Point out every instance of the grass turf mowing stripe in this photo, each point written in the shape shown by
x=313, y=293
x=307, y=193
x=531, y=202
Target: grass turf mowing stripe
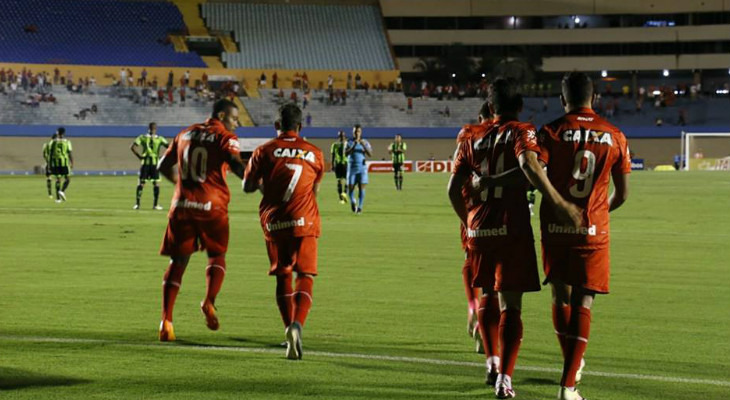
x=416, y=360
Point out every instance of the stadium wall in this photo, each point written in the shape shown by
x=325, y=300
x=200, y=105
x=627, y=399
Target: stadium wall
x=22, y=153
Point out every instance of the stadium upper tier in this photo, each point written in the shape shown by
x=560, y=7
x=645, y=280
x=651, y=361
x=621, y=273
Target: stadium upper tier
x=109, y=32
x=314, y=37
x=389, y=109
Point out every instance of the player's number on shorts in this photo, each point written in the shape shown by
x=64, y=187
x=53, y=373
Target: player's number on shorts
x=584, y=177
x=195, y=164
x=294, y=180
x=499, y=168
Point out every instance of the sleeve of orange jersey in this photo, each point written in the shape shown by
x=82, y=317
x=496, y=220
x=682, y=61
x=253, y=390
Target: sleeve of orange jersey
x=171, y=152
x=320, y=165
x=623, y=163
x=462, y=157
x=252, y=175
x=526, y=140
x=543, y=142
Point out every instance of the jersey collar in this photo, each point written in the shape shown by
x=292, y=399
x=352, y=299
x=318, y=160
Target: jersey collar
x=288, y=134
x=215, y=122
x=582, y=110
x=500, y=119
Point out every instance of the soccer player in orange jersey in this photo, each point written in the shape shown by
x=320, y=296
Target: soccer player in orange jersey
x=583, y=152
x=288, y=171
x=483, y=315
x=498, y=225
x=198, y=218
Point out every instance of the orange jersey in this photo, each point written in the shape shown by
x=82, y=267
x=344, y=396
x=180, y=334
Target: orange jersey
x=581, y=151
x=466, y=132
x=289, y=167
x=202, y=152
x=501, y=213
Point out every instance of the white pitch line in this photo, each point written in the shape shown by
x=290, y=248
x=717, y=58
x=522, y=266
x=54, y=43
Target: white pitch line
x=373, y=357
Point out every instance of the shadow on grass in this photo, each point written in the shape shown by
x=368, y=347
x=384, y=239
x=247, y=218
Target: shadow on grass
x=14, y=379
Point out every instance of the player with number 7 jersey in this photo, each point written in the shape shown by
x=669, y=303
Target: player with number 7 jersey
x=288, y=171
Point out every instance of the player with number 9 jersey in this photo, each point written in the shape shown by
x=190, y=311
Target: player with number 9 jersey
x=581, y=151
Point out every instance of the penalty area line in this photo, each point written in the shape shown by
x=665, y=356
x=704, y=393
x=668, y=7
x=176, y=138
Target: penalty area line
x=358, y=356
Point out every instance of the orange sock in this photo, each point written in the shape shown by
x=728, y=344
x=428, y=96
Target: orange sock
x=489, y=323
x=214, y=274
x=561, y=319
x=303, y=298
x=510, y=336
x=284, y=298
x=170, y=287
x=576, y=341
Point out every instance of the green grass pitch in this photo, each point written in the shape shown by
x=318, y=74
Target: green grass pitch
x=80, y=288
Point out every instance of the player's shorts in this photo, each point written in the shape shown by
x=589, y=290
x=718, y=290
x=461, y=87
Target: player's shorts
x=506, y=267
x=149, y=173
x=397, y=167
x=186, y=236
x=357, y=177
x=60, y=171
x=341, y=171
x=287, y=254
x=589, y=269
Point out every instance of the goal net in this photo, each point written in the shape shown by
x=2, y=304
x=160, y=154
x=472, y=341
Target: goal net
x=705, y=151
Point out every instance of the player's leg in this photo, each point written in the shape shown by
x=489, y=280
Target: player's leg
x=472, y=295
x=561, y=311
x=171, y=283
x=483, y=266
x=361, y=193
x=352, y=178
x=284, y=290
x=156, y=192
x=400, y=178
x=306, y=269
x=581, y=301
x=395, y=176
x=66, y=181
x=510, y=337
x=48, y=182
x=140, y=188
x=58, y=188
x=213, y=236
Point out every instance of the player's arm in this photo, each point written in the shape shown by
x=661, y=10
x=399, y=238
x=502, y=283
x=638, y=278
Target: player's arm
x=133, y=147
x=390, y=149
x=568, y=212
x=251, y=179
x=367, y=148
x=456, y=182
x=511, y=177
x=166, y=166
x=349, y=148
x=620, y=190
x=236, y=164
x=71, y=158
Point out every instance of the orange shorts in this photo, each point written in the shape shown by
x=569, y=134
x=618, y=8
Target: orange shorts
x=186, y=236
x=506, y=267
x=287, y=254
x=589, y=269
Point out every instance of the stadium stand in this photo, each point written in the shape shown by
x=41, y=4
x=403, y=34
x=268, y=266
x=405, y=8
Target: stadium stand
x=300, y=36
x=108, y=32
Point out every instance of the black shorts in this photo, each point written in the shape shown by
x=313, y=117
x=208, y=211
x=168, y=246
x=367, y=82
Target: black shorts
x=397, y=167
x=341, y=171
x=149, y=173
x=60, y=171
x=48, y=170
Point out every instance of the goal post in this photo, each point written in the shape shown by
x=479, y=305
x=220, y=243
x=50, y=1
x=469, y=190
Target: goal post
x=705, y=151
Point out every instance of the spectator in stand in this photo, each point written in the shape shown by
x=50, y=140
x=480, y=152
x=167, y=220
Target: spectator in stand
x=170, y=80
x=398, y=83
x=410, y=105
x=204, y=79
x=262, y=80
x=293, y=97
x=123, y=77
x=143, y=77
x=344, y=97
x=447, y=112
x=170, y=95
x=297, y=83
x=145, y=95
x=160, y=96
x=182, y=96
x=366, y=86
x=56, y=76
x=187, y=78
x=358, y=81
x=305, y=102
x=349, y=81
x=309, y=119
x=281, y=93
x=182, y=81
x=305, y=81
x=275, y=81
x=130, y=77
x=330, y=82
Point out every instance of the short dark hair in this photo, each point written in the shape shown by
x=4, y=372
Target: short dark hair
x=504, y=96
x=290, y=116
x=356, y=126
x=577, y=88
x=222, y=105
x=484, y=110
x=152, y=124
x=61, y=130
